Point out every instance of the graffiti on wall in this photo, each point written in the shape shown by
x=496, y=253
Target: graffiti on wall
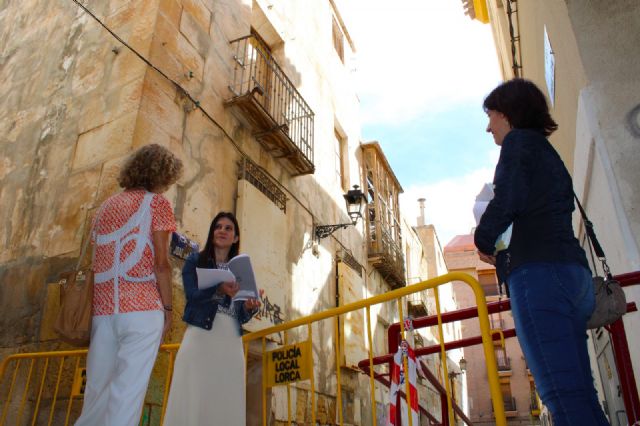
x=269, y=311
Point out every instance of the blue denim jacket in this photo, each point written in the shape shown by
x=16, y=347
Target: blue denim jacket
x=202, y=305
x=534, y=191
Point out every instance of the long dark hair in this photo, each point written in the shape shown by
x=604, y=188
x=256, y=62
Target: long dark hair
x=524, y=105
x=207, y=255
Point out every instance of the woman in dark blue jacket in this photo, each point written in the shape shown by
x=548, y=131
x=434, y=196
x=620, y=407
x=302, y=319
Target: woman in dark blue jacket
x=545, y=268
x=208, y=379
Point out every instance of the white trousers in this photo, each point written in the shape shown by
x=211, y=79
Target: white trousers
x=121, y=356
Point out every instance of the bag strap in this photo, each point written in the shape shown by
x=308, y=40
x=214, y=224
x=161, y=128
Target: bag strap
x=83, y=252
x=85, y=244
x=591, y=254
x=593, y=240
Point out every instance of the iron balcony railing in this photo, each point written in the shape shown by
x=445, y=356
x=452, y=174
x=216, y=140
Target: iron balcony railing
x=416, y=304
x=389, y=252
x=504, y=363
x=534, y=404
x=497, y=323
x=509, y=403
x=257, y=74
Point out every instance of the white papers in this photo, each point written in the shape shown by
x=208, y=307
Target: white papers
x=211, y=277
x=482, y=201
x=240, y=270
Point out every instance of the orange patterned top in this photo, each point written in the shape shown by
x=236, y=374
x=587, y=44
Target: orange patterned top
x=123, y=252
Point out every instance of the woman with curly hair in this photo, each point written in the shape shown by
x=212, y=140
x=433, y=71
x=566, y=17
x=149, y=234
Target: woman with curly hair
x=132, y=288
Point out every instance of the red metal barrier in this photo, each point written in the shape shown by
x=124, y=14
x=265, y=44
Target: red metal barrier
x=623, y=356
x=618, y=339
x=364, y=366
x=393, y=333
x=428, y=350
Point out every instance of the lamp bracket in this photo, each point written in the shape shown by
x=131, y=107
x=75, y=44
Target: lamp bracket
x=323, y=231
x=454, y=374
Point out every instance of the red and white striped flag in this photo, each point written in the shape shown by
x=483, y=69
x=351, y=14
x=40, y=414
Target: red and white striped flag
x=397, y=382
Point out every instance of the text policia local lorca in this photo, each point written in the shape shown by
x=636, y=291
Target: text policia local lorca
x=286, y=364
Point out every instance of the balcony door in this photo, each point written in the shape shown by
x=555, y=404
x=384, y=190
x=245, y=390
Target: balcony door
x=260, y=60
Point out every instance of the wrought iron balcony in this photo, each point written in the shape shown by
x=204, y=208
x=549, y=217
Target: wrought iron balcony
x=383, y=216
x=504, y=363
x=281, y=119
x=534, y=404
x=386, y=256
x=510, y=406
x=416, y=305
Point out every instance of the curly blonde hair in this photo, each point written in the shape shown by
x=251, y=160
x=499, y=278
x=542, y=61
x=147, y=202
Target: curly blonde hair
x=151, y=167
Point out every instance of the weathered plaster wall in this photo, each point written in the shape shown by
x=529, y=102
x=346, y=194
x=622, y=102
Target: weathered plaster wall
x=529, y=23
x=607, y=135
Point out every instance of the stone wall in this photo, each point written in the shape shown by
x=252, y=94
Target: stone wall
x=69, y=98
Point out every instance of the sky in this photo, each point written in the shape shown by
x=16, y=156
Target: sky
x=423, y=69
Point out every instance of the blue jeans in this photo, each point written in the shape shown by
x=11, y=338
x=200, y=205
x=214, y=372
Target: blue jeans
x=551, y=303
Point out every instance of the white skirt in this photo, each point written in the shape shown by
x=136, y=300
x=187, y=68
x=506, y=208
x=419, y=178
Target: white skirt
x=208, y=385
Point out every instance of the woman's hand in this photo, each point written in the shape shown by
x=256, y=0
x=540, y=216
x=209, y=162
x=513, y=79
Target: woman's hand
x=251, y=304
x=491, y=260
x=230, y=288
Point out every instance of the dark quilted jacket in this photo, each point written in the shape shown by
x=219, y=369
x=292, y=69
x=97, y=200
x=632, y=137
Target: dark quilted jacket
x=533, y=190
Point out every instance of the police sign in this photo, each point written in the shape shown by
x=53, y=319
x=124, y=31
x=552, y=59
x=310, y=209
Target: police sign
x=288, y=364
x=79, y=382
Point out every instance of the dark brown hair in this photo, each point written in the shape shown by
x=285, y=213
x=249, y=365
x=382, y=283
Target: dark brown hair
x=151, y=167
x=523, y=104
x=208, y=252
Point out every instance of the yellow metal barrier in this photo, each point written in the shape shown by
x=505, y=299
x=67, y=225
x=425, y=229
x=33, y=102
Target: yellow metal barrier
x=20, y=386
x=396, y=295
x=48, y=387
x=31, y=385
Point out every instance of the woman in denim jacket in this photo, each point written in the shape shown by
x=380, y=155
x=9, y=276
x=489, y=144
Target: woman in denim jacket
x=208, y=379
x=545, y=268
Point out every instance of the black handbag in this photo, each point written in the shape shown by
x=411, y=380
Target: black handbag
x=611, y=303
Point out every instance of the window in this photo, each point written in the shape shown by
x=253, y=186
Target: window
x=260, y=56
x=341, y=163
x=338, y=39
x=489, y=283
x=407, y=257
x=507, y=397
x=504, y=362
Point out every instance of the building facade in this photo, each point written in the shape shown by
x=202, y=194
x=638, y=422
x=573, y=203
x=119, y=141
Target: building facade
x=589, y=68
x=257, y=98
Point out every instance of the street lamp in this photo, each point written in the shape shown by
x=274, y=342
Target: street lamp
x=463, y=367
x=355, y=201
x=463, y=364
x=452, y=375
